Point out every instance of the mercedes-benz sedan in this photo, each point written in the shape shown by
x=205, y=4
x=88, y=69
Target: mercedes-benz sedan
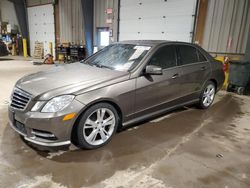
x=124, y=83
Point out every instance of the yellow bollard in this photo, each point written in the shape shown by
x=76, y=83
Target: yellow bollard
x=225, y=84
x=51, y=48
x=24, y=47
x=13, y=52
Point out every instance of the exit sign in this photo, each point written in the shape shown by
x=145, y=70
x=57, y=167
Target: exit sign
x=109, y=10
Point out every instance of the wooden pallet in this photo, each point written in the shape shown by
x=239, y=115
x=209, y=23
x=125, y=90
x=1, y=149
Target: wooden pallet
x=39, y=50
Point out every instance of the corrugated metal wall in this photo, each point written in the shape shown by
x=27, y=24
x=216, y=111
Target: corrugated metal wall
x=100, y=17
x=99, y=12
x=227, y=26
x=71, y=21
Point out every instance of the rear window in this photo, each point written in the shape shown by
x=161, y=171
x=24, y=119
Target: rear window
x=201, y=56
x=188, y=55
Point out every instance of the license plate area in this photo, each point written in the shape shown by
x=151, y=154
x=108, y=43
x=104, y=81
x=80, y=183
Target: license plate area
x=12, y=116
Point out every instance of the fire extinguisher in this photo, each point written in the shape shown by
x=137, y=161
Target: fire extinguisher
x=226, y=64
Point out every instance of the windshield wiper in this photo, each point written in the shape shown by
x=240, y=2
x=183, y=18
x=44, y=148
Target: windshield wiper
x=103, y=66
x=86, y=62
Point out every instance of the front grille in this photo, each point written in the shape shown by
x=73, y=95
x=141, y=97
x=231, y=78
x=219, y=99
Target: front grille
x=20, y=99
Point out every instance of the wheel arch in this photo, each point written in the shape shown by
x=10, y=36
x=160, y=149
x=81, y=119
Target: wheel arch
x=105, y=100
x=215, y=83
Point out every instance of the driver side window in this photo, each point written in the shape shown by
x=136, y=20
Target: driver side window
x=165, y=57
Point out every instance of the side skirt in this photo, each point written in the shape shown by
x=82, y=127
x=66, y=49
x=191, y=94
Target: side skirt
x=157, y=113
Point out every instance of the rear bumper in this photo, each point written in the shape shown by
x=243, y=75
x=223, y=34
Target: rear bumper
x=45, y=129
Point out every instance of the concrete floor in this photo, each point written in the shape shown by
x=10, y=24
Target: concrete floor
x=185, y=148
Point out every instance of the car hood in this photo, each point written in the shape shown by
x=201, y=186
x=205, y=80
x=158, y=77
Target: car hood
x=68, y=79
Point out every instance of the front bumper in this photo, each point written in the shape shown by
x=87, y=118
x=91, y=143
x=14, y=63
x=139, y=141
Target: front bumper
x=39, y=141
x=45, y=129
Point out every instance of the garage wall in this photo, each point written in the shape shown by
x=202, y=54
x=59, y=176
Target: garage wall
x=8, y=13
x=227, y=26
x=71, y=21
x=157, y=19
x=100, y=17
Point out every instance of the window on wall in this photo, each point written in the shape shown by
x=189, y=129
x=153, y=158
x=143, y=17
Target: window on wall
x=104, y=38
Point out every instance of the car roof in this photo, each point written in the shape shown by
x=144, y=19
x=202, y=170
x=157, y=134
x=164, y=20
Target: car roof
x=152, y=42
x=144, y=42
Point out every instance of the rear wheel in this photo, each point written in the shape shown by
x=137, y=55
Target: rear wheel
x=207, y=95
x=97, y=126
x=240, y=90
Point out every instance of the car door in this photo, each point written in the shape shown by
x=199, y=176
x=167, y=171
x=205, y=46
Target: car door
x=195, y=70
x=154, y=92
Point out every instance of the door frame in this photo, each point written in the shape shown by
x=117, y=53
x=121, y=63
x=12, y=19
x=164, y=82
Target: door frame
x=98, y=30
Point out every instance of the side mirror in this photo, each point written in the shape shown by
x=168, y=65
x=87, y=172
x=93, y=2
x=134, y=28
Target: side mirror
x=153, y=70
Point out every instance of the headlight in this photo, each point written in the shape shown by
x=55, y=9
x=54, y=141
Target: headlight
x=58, y=103
x=37, y=106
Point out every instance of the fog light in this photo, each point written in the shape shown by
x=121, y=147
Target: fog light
x=69, y=116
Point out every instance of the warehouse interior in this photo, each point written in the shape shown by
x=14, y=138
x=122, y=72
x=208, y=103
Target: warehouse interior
x=184, y=147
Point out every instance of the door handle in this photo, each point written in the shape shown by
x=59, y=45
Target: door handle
x=175, y=76
x=203, y=68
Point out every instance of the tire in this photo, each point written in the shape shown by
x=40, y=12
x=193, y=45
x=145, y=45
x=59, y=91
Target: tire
x=240, y=90
x=229, y=88
x=97, y=126
x=207, y=95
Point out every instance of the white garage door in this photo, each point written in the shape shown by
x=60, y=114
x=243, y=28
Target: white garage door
x=42, y=26
x=157, y=20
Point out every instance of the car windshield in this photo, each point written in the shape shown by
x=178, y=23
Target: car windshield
x=121, y=57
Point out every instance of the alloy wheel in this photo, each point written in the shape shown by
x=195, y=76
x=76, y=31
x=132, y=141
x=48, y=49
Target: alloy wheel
x=99, y=126
x=208, y=95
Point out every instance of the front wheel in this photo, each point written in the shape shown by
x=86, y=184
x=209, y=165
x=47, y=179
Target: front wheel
x=97, y=125
x=207, y=95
